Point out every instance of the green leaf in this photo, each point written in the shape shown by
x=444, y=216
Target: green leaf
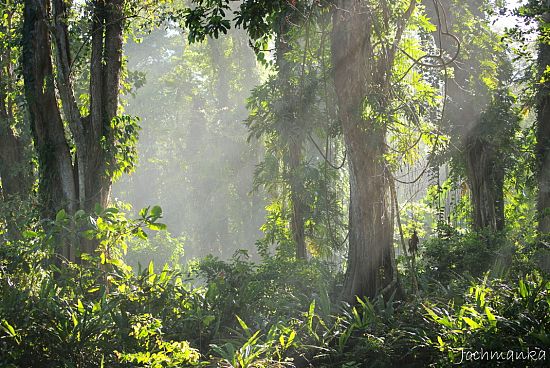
x=431, y=313
x=140, y=233
x=156, y=212
x=207, y=320
x=143, y=212
x=243, y=324
x=291, y=338
x=8, y=328
x=473, y=324
x=61, y=215
x=89, y=234
x=80, y=307
x=27, y=234
x=491, y=317
x=310, y=315
x=522, y=289
x=157, y=226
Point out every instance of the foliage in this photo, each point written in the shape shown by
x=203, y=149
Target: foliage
x=468, y=255
x=162, y=248
x=146, y=298
x=495, y=316
x=243, y=314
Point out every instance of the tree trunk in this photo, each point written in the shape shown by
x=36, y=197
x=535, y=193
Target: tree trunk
x=57, y=187
x=293, y=139
x=66, y=93
x=486, y=179
x=106, y=67
x=468, y=100
x=56, y=181
x=15, y=167
x=543, y=140
x=296, y=197
x=86, y=182
x=15, y=175
x=370, y=240
x=222, y=70
x=370, y=233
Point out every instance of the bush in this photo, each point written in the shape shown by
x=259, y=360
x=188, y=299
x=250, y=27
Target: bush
x=240, y=314
x=470, y=254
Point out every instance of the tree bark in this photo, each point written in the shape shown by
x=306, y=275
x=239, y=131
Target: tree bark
x=57, y=187
x=543, y=139
x=370, y=233
x=106, y=67
x=486, y=179
x=66, y=93
x=64, y=184
x=56, y=181
x=468, y=99
x=15, y=174
x=15, y=169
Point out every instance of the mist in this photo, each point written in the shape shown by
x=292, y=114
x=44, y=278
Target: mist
x=194, y=159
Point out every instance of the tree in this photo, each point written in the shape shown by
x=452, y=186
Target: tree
x=295, y=137
x=365, y=42
x=367, y=91
x=543, y=119
x=284, y=123
x=102, y=140
x=478, y=117
x=15, y=169
x=290, y=113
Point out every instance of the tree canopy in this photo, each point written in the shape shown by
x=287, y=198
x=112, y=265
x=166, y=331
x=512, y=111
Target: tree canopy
x=290, y=183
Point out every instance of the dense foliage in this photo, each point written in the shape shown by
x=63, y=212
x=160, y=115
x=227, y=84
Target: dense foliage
x=254, y=183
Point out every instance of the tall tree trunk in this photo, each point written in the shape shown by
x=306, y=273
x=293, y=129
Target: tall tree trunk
x=370, y=238
x=57, y=187
x=62, y=184
x=15, y=175
x=543, y=138
x=106, y=67
x=222, y=70
x=486, y=179
x=293, y=136
x=370, y=233
x=56, y=180
x=15, y=167
x=468, y=99
x=66, y=93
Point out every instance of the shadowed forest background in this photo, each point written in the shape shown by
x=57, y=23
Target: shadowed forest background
x=316, y=183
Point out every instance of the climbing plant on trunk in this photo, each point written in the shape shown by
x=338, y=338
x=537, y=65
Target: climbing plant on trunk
x=365, y=40
x=15, y=168
x=101, y=140
x=479, y=117
x=543, y=122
